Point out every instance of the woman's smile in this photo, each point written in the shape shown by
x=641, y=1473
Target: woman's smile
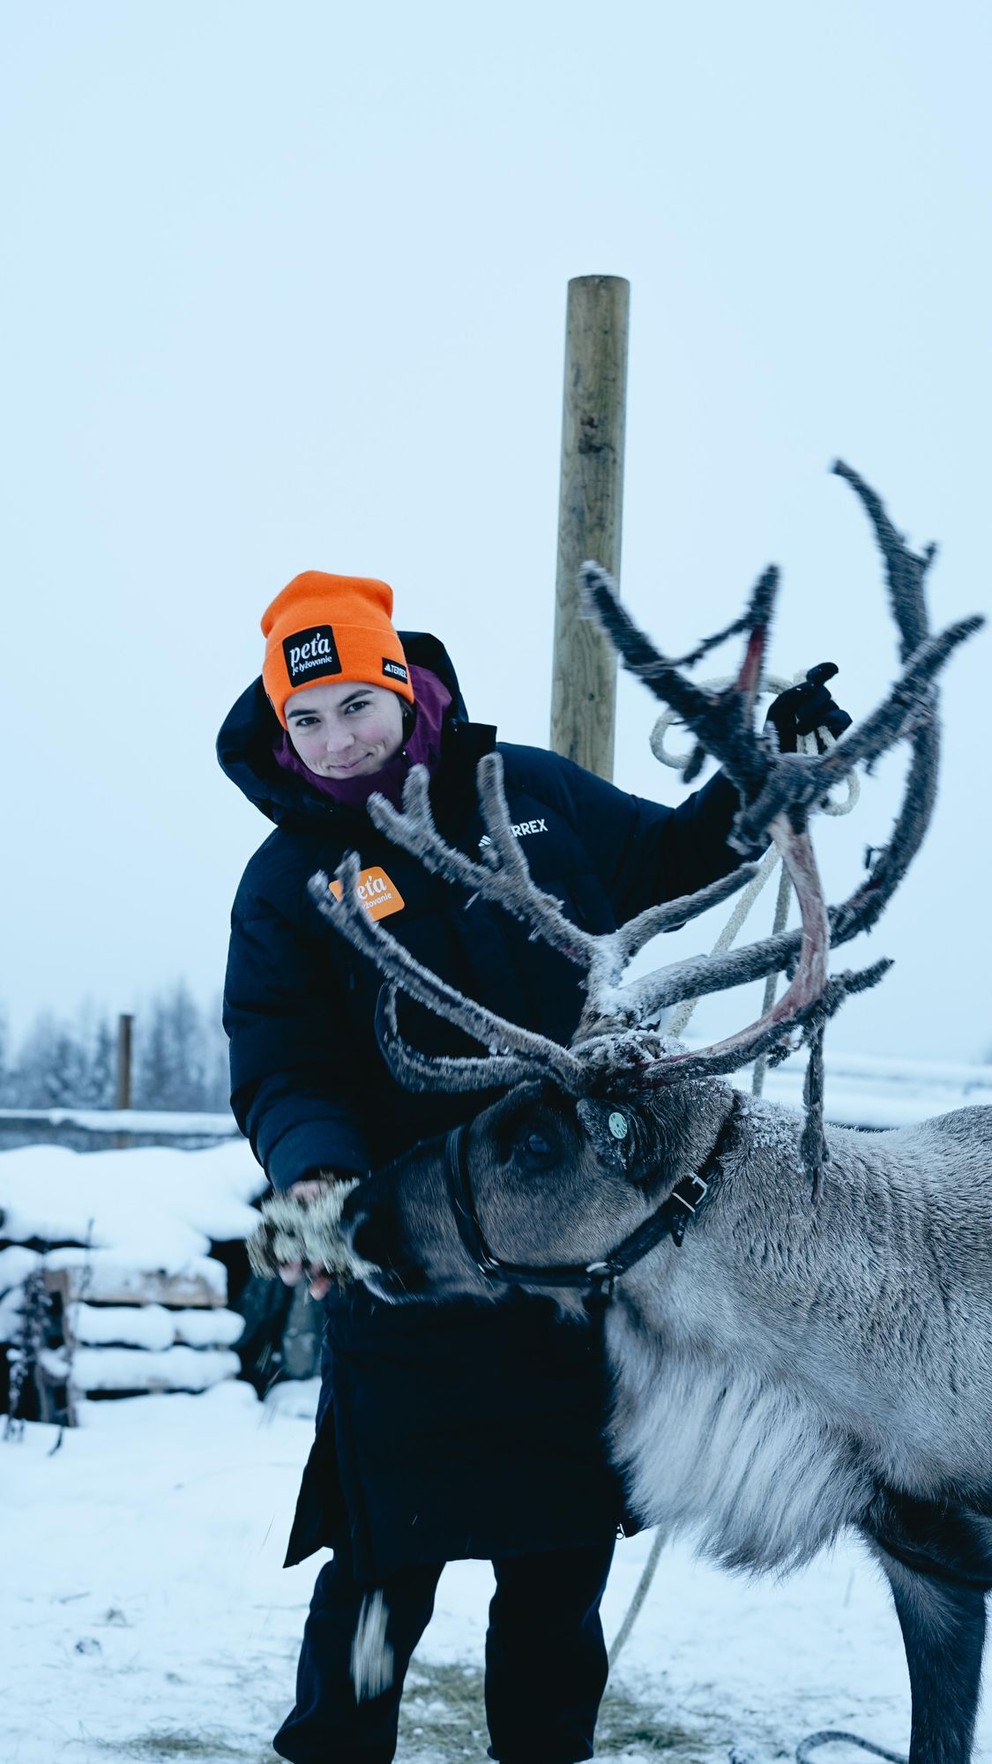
x=345, y=730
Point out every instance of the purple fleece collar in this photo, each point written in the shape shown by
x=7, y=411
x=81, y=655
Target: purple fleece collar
x=422, y=748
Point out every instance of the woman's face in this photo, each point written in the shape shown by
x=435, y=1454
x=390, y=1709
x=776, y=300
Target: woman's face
x=343, y=730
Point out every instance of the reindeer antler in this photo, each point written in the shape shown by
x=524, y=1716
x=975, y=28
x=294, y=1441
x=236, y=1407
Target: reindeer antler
x=514, y=1053
x=778, y=790
x=777, y=793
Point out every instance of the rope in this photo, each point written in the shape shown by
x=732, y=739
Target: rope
x=640, y=1594
x=680, y=1018
x=807, y=743
x=771, y=983
x=828, y=1735
x=742, y=907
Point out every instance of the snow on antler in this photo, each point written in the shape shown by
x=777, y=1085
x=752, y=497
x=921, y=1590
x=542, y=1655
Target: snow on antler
x=778, y=791
x=514, y=1053
x=617, y=1039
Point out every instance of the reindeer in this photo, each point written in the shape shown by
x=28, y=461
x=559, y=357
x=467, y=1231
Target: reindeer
x=798, y=1318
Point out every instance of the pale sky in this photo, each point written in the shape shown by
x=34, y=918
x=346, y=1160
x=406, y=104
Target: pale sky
x=285, y=289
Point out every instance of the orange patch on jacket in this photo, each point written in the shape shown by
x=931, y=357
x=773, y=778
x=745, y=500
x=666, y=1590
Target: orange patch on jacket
x=378, y=895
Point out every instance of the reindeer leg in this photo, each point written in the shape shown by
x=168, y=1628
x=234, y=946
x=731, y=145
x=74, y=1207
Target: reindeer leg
x=938, y=1561
x=943, y=1628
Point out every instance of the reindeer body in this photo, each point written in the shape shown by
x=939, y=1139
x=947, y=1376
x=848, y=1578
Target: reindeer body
x=788, y=1360
x=789, y=1370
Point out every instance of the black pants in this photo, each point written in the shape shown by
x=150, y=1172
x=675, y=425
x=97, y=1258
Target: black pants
x=545, y=1660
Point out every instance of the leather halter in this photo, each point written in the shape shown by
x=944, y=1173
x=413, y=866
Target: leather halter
x=668, y=1220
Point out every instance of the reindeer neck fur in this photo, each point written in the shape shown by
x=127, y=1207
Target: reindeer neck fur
x=789, y=1356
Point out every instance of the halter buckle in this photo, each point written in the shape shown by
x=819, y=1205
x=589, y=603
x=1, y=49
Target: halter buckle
x=604, y=1278
x=699, y=1184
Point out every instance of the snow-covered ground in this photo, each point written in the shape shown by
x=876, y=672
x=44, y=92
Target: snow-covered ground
x=146, y=1615
x=144, y=1611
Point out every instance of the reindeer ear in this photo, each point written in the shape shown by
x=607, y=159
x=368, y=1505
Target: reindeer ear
x=612, y=1130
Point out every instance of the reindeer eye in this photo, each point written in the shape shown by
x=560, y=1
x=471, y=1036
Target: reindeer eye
x=537, y=1145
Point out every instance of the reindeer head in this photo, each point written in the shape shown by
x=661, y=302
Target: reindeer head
x=584, y=1179
x=618, y=1051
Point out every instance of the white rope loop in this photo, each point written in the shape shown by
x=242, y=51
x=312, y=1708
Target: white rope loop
x=807, y=743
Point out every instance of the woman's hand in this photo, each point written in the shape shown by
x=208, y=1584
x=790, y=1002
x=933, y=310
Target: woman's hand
x=300, y=1236
x=807, y=708
x=311, y=1188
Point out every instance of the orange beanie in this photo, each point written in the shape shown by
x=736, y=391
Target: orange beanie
x=329, y=629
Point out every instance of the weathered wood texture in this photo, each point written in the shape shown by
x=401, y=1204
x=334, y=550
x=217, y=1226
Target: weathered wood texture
x=134, y=1329
x=123, y=1285
x=583, y=692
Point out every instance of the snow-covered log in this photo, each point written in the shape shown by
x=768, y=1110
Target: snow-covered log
x=134, y=1369
x=151, y=1327
x=104, y=1277
x=122, y=1240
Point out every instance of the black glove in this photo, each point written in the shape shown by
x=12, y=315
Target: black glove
x=806, y=707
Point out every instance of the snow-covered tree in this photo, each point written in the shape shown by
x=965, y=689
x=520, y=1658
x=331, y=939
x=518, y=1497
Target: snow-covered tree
x=180, y=1057
x=177, y=1048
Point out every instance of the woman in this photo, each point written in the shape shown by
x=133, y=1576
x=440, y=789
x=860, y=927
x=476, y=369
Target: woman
x=462, y=1430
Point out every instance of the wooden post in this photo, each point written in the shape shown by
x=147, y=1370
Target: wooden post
x=590, y=511
x=122, y=1099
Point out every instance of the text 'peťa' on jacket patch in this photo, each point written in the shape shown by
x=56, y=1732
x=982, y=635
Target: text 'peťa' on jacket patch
x=378, y=895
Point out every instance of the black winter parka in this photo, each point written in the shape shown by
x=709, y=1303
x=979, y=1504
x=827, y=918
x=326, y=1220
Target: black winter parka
x=468, y=1429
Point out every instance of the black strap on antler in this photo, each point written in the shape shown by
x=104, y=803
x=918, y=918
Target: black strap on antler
x=668, y=1220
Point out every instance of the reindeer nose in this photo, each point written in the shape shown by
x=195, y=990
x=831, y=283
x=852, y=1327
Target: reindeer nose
x=363, y=1229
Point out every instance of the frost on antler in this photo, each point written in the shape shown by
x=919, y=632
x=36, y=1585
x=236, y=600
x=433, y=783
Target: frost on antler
x=513, y=1050
x=503, y=876
x=905, y=573
x=720, y=719
x=513, y=1053
x=618, y=1041
x=777, y=793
